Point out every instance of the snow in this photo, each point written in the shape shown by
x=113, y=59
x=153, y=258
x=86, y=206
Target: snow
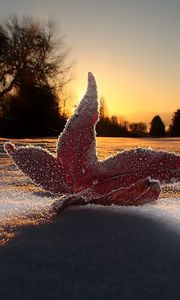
x=87, y=252
x=15, y=203
x=24, y=204
x=19, y=198
x=90, y=252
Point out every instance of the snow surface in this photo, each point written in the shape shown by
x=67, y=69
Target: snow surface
x=91, y=252
x=27, y=207
x=88, y=252
x=17, y=203
x=19, y=198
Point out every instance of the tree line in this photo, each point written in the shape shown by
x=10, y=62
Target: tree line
x=112, y=127
x=34, y=72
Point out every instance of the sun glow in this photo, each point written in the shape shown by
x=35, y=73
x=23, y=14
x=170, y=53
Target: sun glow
x=131, y=94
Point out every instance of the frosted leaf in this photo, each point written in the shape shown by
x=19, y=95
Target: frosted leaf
x=126, y=168
x=68, y=200
x=77, y=145
x=40, y=166
x=78, y=175
x=143, y=191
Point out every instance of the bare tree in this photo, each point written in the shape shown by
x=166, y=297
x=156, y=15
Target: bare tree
x=103, y=107
x=65, y=102
x=138, y=128
x=30, y=53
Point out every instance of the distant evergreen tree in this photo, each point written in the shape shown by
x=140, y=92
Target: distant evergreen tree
x=157, y=128
x=175, y=126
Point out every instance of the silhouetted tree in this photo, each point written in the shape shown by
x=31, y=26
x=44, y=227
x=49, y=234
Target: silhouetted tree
x=157, y=128
x=175, y=126
x=138, y=129
x=111, y=127
x=34, y=67
x=30, y=52
x=35, y=111
x=66, y=100
x=103, y=108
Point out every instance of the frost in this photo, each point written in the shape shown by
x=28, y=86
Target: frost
x=95, y=181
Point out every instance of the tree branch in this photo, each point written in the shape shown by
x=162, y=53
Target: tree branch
x=9, y=88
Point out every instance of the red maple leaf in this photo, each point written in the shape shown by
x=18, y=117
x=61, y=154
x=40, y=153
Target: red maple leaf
x=129, y=178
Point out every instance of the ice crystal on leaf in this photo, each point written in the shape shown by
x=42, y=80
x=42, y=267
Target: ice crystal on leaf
x=129, y=178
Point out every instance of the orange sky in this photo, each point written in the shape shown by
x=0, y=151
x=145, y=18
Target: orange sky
x=130, y=93
x=131, y=46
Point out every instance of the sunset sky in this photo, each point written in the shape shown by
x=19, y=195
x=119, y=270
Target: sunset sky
x=131, y=46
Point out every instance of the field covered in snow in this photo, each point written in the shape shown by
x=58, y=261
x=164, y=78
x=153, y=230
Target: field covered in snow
x=21, y=200
x=89, y=252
